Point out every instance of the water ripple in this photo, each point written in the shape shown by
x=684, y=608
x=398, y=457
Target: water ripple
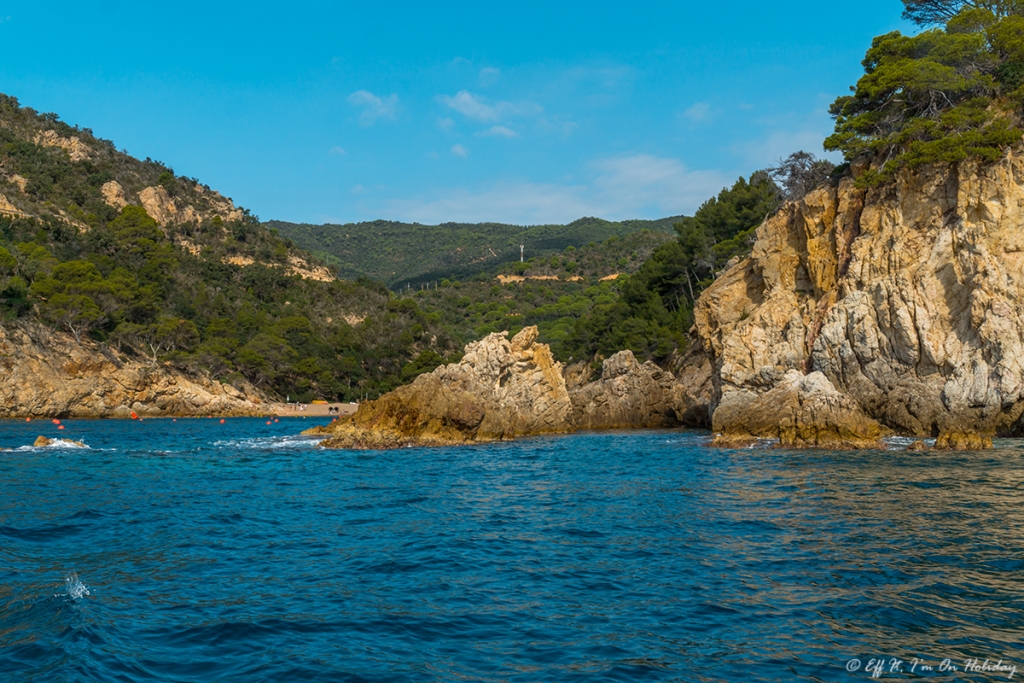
x=242, y=552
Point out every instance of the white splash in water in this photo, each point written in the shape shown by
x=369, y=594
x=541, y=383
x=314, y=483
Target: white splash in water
x=75, y=588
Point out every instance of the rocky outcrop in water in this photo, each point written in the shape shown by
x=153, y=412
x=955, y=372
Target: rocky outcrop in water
x=505, y=388
x=499, y=390
x=45, y=373
x=907, y=299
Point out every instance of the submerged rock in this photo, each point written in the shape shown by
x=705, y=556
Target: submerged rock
x=43, y=442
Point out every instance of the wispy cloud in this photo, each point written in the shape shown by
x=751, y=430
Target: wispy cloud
x=460, y=151
x=480, y=109
x=489, y=76
x=499, y=131
x=337, y=151
x=637, y=186
x=445, y=123
x=374, y=107
x=698, y=112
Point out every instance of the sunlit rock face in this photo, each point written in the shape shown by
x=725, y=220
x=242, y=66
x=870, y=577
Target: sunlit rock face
x=906, y=298
x=499, y=390
x=47, y=373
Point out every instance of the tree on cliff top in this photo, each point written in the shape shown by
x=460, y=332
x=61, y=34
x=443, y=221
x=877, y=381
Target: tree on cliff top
x=944, y=95
x=925, y=12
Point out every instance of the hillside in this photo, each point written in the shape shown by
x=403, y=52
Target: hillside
x=157, y=268
x=408, y=254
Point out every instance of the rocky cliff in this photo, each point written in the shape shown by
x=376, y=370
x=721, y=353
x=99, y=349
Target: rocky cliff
x=903, y=303
x=48, y=374
x=505, y=388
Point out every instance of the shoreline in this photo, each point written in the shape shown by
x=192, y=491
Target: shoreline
x=270, y=410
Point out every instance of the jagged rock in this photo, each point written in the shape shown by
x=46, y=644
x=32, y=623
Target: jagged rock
x=917, y=446
x=75, y=148
x=801, y=411
x=113, y=194
x=46, y=373
x=499, y=390
x=631, y=395
x=906, y=297
x=162, y=208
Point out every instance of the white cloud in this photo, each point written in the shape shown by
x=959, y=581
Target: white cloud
x=460, y=151
x=638, y=186
x=478, y=108
x=358, y=189
x=489, y=76
x=500, y=131
x=446, y=123
x=697, y=112
x=374, y=107
x=337, y=151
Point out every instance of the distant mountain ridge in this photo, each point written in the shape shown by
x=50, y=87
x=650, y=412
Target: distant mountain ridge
x=401, y=254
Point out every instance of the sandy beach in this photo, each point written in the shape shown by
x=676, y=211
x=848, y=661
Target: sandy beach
x=313, y=409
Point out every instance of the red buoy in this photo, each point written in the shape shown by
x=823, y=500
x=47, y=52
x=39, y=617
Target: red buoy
x=60, y=426
x=134, y=416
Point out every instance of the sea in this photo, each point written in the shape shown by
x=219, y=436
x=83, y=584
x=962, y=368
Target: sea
x=195, y=550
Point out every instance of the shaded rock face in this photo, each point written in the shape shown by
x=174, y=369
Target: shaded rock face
x=907, y=298
x=801, y=411
x=500, y=389
x=44, y=373
x=631, y=395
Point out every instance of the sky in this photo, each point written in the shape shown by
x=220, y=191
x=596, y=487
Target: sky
x=526, y=112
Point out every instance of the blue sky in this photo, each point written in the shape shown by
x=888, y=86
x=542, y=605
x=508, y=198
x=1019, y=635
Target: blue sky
x=525, y=112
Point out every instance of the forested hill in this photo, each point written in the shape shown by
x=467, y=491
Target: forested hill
x=100, y=245
x=402, y=254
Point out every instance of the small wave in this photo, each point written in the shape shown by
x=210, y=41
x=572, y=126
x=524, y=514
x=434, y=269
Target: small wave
x=265, y=443
x=54, y=443
x=899, y=443
x=74, y=588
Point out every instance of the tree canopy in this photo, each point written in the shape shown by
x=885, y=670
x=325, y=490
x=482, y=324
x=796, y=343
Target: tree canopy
x=944, y=95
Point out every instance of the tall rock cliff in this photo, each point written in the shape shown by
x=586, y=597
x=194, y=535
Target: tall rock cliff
x=907, y=299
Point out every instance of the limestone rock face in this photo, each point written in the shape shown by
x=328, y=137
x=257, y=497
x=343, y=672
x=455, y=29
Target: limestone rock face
x=907, y=298
x=631, y=395
x=162, y=208
x=44, y=373
x=500, y=389
x=75, y=148
x=113, y=194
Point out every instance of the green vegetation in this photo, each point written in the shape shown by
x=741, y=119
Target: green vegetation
x=944, y=95
x=403, y=254
x=554, y=293
x=212, y=295
x=217, y=293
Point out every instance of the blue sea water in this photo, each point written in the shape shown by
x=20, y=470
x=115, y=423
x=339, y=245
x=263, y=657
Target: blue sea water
x=196, y=551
